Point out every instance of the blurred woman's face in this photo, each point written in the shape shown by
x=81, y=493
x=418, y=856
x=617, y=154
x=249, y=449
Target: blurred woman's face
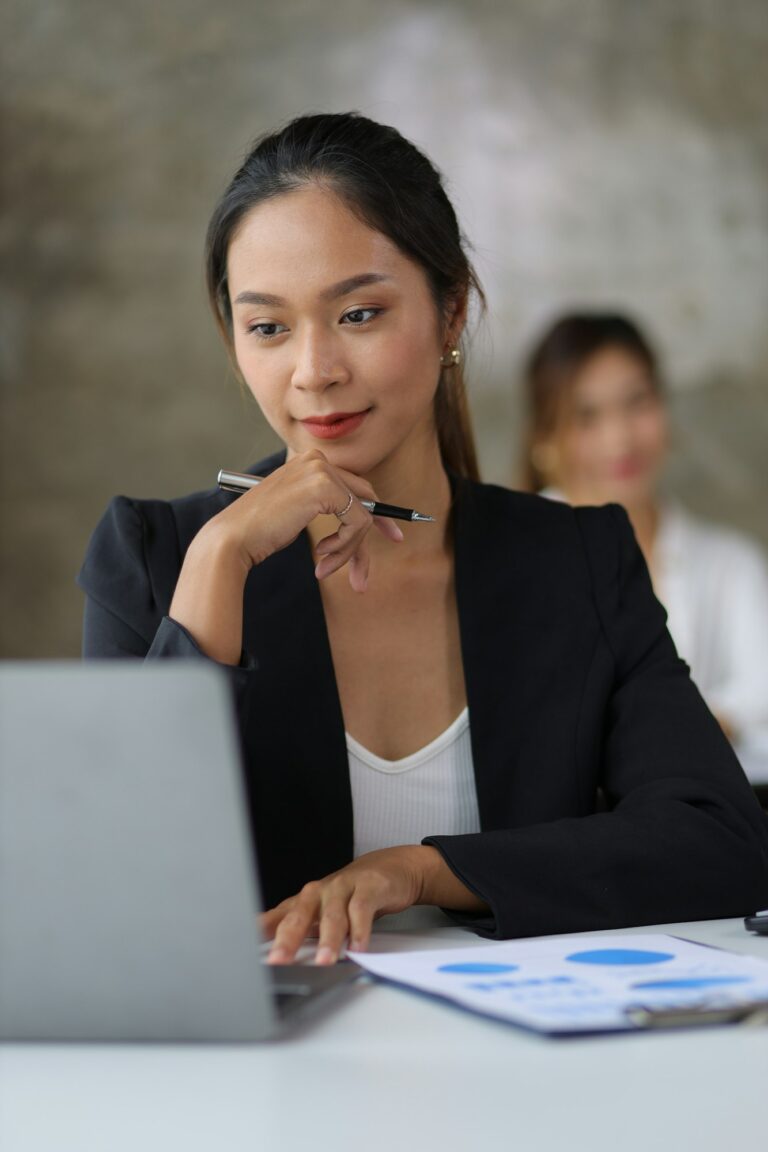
x=611, y=437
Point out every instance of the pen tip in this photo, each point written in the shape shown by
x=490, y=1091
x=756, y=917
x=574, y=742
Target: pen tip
x=422, y=518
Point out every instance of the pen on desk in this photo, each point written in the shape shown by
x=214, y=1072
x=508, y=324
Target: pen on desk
x=242, y=481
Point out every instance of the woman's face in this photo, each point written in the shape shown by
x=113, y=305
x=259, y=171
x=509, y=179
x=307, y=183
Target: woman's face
x=611, y=437
x=336, y=332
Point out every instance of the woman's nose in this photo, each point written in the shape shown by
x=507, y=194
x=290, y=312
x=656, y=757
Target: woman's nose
x=618, y=433
x=319, y=362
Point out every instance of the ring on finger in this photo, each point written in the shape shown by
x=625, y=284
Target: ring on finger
x=340, y=515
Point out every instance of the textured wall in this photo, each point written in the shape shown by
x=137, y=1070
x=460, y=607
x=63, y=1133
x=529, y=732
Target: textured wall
x=606, y=151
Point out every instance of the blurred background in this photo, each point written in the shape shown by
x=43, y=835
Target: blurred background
x=601, y=153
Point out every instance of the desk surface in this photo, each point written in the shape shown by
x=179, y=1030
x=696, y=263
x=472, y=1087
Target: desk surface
x=388, y=1069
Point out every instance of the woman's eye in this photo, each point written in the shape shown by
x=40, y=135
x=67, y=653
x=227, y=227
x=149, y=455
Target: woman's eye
x=359, y=316
x=267, y=330
x=640, y=401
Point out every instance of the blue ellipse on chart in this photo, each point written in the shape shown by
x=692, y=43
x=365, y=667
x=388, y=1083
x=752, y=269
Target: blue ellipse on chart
x=476, y=969
x=619, y=956
x=694, y=982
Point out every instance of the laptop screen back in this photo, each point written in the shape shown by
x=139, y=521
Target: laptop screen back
x=128, y=896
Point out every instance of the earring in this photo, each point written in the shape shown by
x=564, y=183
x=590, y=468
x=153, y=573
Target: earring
x=451, y=359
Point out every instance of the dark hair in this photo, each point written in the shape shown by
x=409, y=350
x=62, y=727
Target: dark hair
x=555, y=361
x=392, y=187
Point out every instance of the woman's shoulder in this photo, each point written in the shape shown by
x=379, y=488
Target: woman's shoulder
x=127, y=517
x=557, y=544
x=537, y=512
x=140, y=540
x=507, y=501
x=581, y=561
x=133, y=526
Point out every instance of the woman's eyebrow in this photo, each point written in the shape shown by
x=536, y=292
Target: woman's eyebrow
x=352, y=283
x=342, y=288
x=259, y=298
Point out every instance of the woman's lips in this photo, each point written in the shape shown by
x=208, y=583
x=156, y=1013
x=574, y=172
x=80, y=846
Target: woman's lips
x=627, y=469
x=336, y=425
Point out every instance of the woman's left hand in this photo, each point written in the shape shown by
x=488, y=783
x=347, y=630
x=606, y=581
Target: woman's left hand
x=344, y=905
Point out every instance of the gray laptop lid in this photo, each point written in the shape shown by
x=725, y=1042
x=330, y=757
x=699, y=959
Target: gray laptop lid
x=128, y=897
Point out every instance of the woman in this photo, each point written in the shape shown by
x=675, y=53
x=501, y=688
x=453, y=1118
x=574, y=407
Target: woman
x=337, y=275
x=597, y=433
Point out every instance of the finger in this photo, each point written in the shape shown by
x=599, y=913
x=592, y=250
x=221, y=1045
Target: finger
x=360, y=913
x=359, y=564
x=268, y=922
x=332, y=491
x=329, y=545
x=270, y=919
x=389, y=528
x=333, y=543
x=333, y=930
x=358, y=560
x=295, y=926
x=350, y=538
x=363, y=490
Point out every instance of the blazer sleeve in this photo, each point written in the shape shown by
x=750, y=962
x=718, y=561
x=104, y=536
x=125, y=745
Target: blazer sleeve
x=684, y=838
x=129, y=574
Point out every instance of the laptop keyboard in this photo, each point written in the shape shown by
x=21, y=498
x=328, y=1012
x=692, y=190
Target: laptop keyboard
x=294, y=984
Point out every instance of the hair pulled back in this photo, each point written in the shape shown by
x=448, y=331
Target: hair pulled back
x=393, y=188
x=555, y=362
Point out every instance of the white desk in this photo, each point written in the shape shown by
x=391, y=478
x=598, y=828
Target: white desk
x=387, y=1069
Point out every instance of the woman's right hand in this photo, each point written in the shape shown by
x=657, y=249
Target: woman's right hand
x=208, y=600
x=271, y=515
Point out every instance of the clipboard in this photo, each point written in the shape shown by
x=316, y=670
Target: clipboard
x=569, y=986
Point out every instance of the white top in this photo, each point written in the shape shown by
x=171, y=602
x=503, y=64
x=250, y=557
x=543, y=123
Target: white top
x=713, y=582
x=429, y=793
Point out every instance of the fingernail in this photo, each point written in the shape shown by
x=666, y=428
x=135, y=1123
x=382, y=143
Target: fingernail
x=277, y=956
x=357, y=946
x=399, y=531
x=325, y=955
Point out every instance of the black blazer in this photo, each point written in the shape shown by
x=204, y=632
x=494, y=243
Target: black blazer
x=573, y=685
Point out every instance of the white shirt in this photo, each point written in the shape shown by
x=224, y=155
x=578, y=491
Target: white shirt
x=431, y=792
x=713, y=582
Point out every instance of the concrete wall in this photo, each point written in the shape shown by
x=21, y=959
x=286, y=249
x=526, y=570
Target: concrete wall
x=600, y=152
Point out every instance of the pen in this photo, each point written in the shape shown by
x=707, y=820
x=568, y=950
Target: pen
x=241, y=482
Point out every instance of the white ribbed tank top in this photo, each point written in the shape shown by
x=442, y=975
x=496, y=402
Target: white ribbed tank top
x=429, y=793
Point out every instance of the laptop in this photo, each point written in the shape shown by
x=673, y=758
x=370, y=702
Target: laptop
x=129, y=898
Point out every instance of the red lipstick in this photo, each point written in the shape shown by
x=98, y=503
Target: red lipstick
x=627, y=469
x=335, y=425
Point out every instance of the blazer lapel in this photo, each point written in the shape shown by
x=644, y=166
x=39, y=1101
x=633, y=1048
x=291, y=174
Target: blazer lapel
x=486, y=572
x=527, y=643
